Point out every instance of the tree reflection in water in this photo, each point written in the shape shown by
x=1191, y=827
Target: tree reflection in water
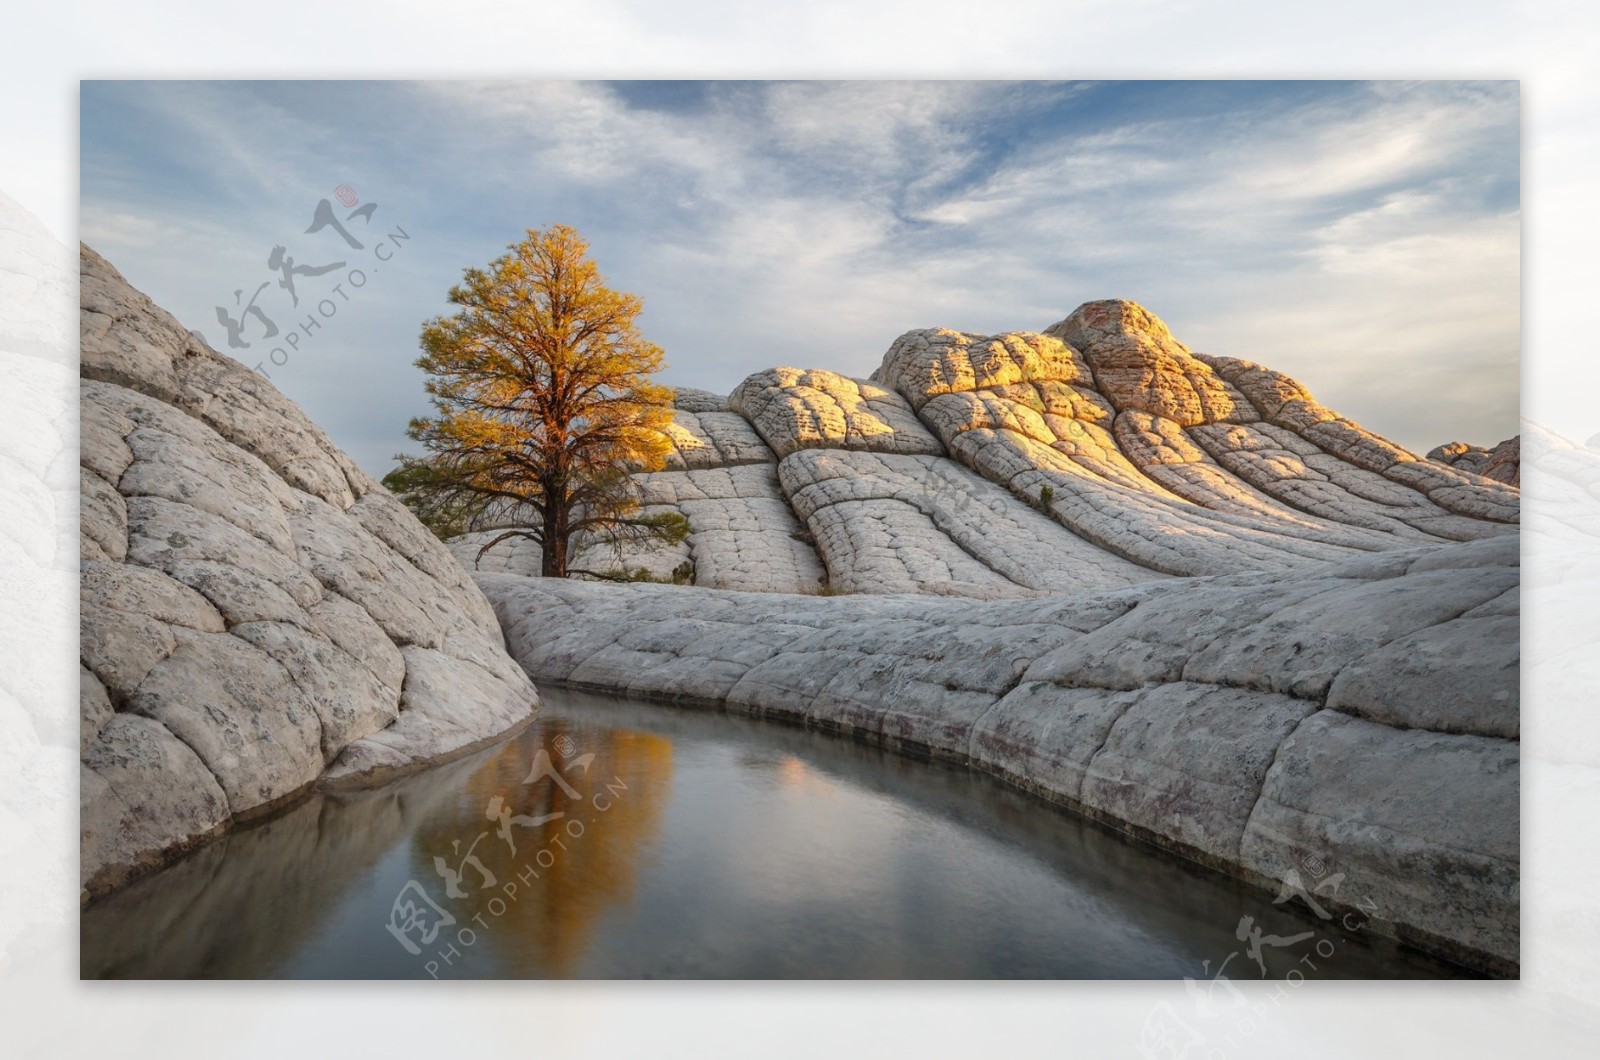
x=547, y=915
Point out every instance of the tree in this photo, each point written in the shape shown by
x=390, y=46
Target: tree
x=543, y=403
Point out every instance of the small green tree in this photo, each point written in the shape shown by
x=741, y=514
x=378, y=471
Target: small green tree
x=544, y=403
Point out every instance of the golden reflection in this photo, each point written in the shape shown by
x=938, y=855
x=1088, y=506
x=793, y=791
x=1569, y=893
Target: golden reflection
x=799, y=778
x=581, y=817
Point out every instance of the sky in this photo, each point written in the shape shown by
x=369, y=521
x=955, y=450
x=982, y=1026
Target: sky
x=1362, y=237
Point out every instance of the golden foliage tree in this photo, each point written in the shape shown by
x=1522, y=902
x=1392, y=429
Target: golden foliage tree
x=544, y=404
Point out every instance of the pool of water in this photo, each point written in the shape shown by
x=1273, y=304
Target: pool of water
x=620, y=840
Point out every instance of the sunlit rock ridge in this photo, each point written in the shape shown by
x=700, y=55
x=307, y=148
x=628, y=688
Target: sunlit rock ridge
x=257, y=615
x=1099, y=453
x=1502, y=462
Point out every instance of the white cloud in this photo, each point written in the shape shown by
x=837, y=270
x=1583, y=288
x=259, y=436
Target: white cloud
x=1347, y=237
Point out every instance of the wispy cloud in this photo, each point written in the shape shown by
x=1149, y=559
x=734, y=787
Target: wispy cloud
x=1363, y=237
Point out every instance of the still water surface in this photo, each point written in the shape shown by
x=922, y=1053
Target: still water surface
x=697, y=844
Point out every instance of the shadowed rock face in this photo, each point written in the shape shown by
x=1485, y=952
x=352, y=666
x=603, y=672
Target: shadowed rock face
x=257, y=613
x=1101, y=453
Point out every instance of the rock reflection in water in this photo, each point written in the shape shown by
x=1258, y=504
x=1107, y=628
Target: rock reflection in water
x=697, y=844
x=275, y=899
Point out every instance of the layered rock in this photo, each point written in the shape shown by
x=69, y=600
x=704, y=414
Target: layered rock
x=1101, y=452
x=887, y=523
x=257, y=614
x=1183, y=463
x=1240, y=721
x=1502, y=463
x=1204, y=609
x=285, y=872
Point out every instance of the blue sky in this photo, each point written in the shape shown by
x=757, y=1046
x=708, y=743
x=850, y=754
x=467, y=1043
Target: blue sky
x=1363, y=237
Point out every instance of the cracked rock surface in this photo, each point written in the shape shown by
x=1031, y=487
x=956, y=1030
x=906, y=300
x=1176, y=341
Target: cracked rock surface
x=257, y=614
x=1503, y=462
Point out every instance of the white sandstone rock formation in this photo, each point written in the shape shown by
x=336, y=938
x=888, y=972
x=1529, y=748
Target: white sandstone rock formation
x=258, y=615
x=890, y=523
x=1201, y=607
x=1098, y=454
x=1332, y=675
x=794, y=410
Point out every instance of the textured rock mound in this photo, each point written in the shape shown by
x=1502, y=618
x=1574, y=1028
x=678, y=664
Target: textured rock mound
x=1101, y=453
x=1503, y=463
x=794, y=410
x=257, y=613
x=1363, y=713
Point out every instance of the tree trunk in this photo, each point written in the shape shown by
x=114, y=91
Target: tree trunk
x=553, y=550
